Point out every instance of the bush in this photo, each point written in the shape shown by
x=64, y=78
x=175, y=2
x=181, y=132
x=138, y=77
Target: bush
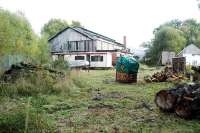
x=14, y=121
x=60, y=64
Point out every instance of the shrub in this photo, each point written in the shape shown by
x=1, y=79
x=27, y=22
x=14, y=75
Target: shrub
x=60, y=64
x=14, y=121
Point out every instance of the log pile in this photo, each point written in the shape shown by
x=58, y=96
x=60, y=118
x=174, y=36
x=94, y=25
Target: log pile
x=184, y=100
x=163, y=76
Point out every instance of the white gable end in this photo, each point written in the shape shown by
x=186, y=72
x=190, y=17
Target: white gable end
x=67, y=35
x=190, y=49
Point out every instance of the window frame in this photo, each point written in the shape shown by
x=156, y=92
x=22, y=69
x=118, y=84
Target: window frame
x=82, y=57
x=97, y=58
x=77, y=45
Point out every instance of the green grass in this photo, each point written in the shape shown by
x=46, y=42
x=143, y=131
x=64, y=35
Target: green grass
x=122, y=108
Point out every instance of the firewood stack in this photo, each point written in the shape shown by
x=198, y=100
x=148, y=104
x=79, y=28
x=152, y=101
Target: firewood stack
x=163, y=76
x=184, y=100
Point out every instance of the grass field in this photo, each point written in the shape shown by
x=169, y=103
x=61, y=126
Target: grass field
x=119, y=108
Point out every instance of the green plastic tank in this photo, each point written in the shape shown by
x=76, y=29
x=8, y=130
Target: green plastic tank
x=126, y=69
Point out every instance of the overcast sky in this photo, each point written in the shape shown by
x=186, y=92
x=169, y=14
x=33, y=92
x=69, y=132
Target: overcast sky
x=114, y=18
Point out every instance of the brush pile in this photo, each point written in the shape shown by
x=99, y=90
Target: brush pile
x=184, y=100
x=163, y=76
x=27, y=70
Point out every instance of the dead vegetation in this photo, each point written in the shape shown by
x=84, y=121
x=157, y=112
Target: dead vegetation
x=26, y=70
x=27, y=79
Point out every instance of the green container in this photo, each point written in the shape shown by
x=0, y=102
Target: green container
x=127, y=69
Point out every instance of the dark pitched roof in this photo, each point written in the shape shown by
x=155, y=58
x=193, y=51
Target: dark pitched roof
x=90, y=34
x=93, y=34
x=52, y=37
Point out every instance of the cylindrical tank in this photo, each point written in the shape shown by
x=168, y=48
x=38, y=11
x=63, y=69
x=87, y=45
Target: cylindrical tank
x=127, y=69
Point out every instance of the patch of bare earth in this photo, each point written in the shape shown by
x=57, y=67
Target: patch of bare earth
x=101, y=109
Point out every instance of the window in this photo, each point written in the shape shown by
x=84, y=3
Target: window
x=77, y=45
x=79, y=57
x=88, y=45
x=97, y=58
x=84, y=45
x=69, y=46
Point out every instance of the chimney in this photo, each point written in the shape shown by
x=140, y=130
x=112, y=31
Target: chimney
x=124, y=41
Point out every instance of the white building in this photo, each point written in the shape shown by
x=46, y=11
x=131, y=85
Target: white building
x=81, y=44
x=167, y=57
x=192, y=55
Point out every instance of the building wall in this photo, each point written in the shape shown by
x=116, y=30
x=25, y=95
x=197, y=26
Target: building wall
x=70, y=41
x=193, y=60
x=167, y=57
x=54, y=57
x=72, y=57
x=191, y=49
x=60, y=43
x=115, y=56
x=104, y=45
x=107, y=59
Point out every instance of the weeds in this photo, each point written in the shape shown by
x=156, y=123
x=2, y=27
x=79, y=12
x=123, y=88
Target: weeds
x=23, y=119
x=24, y=88
x=68, y=105
x=79, y=82
x=39, y=101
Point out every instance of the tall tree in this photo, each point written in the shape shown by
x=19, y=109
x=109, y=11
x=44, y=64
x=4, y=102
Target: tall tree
x=173, y=35
x=17, y=39
x=16, y=34
x=191, y=30
x=166, y=38
x=76, y=24
x=173, y=23
x=53, y=26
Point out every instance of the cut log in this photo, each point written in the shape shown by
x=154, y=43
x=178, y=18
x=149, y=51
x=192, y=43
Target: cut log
x=184, y=108
x=165, y=100
x=188, y=107
x=184, y=100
